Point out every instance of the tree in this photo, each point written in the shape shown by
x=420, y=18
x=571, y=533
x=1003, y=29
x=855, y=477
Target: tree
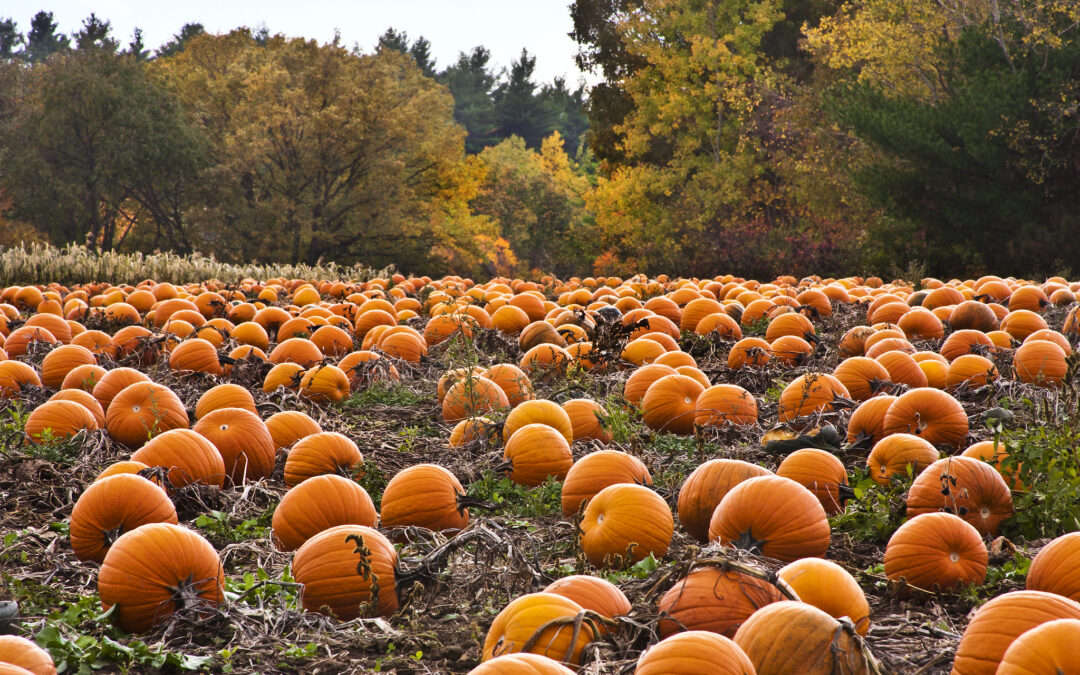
x=180, y=40
x=94, y=34
x=421, y=53
x=396, y=40
x=472, y=84
x=569, y=107
x=136, y=47
x=518, y=110
x=10, y=38
x=43, y=41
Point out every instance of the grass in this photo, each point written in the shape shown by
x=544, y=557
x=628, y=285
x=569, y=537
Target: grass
x=383, y=393
x=509, y=498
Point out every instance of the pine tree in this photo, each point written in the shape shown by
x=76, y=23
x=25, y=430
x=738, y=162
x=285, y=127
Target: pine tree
x=518, y=110
x=176, y=45
x=472, y=83
x=10, y=38
x=43, y=41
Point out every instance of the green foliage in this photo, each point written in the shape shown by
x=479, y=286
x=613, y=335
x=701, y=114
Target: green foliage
x=1045, y=459
x=223, y=527
x=383, y=393
x=510, y=498
x=258, y=588
x=876, y=511
x=639, y=570
x=1013, y=570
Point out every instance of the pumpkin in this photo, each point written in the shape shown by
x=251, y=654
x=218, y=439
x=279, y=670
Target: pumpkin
x=725, y=404
x=641, y=379
x=332, y=341
x=517, y=628
x=921, y=324
x=592, y=593
x=539, y=333
x=509, y=320
x=692, y=653
x=143, y=410
x=676, y=359
x=973, y=315
x=587, y=420
x=936, y=549
x=853, y=342
x=1055, y=568
x=86, y=400
x=243, y=441
x=324, y=384
x=224, y=396
x=696, y=310
x=61, y=361
x=862, y=377
x=930, y=414
x=289, y=426
x=714, y=600
x=1040, y=362
x=539, y=411
x=470, y=430
x=18, y=651
x=996, y=454
x=1047, y=648
x=1021, y=323
x=547, y=360
x=596, y=471
x=347, y=571
x=186, y=455
x=323, y=452
x=971, y=489
x=821, y=473
x=155, y=570
x=56, y=420
x=830, y=588
x=892, y=455
x=513, y=381
x=790, y=350
x=965, y=342
x=703, y=489
x=318, y=504
x=520, y=664
x=749, y=352
x=868, y=421
x=534, y=452
x=670, y=403
x=789, y=325
x=795, y=637
x=773, y=516
x=403, y=345
x=903, y=369
x=424, y=495
x=124, y=466
x=285, y=375
x=19, y=340
x=472, y=396
x=83, y=377
x=111, y=383
x=112, y=506
x=809, y=394
x=625, y=521
x=642, y=351
x=299, y=351
x=195, y=355
x=971, y=370
x=998, y=623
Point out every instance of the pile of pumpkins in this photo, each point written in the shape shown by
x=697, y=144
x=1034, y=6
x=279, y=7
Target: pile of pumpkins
x=327, y=339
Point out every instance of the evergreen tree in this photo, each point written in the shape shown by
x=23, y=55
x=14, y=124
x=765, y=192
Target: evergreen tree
x=421, y=53
x=10, y=38
x=176, y=45
x=395, y=40
x=136, y=47
x=569, y=106
x=472, y=83
x=94, y=34
x=43, y=41
x=518, y=110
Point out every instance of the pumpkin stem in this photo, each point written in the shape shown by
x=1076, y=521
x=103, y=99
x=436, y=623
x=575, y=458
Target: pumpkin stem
x=504, y=467
x=185, y=594
x=466, y=502
x=846, y=492
x=112, y=535
x=746, y=542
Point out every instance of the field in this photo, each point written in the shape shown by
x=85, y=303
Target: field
x=450, y=586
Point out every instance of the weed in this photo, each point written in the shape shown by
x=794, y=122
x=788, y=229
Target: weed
x=875, y=511
x=221, y=526
x=383, y=393
x=512, y=499
x=1045, y=461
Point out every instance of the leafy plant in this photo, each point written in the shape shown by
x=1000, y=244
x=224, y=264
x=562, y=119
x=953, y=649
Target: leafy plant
x=875, y=511
x=1046, y=463
x=383, y=393
x=513, y=499
x=220, y=525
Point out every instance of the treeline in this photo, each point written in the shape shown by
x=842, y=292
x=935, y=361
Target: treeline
x=252, y=146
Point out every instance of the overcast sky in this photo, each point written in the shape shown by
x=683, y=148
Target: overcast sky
x=452, y=26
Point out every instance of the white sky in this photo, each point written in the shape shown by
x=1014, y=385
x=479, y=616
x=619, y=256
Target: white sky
x=503, y=26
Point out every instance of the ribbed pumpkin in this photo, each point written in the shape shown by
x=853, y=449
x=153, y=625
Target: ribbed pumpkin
x=195, y=355
x=424, y=495
x=243, y=441
x=867, y=423
x=111, y=383
x=473, y=396
x=19, y=340
x=537, y=451
x=58, y=420
x=83, y=377
x=670, y=403
x=625, y=521
x=517, y=625
x=318, y=504
x=863, y=377
x=513, y=381
x=995, y=454
x=714, y=600
x=795, y=637
x=930, y=414
x=809, y=394
x=773, y=516
x=819, y=472
x=142, y=410
x=470, y=430
x=596, y=471
x=586, y=417
x=998, y=623
x=404, y=345
x=324, y=384
x=188, y=456
x=347, y=571
x=964, y=342
x=892, y=455
x=903, y=369
x=520, y=664
x=703, y=489
x=1047, y=648
x=749, y=352
x=22, y=653
x=1021, y=323
x=86, y=400
x=592, y=593
x=973, y=315
x=1056, y=568
x=123, y=466
x=692, y=653
x=971, y=370
x=641, y=379
x=155, y=570
x=971, y=489
x=1040, y=362
x=224, y=396
x=16, y=376
x=853, y=342
x=830, y=588
x=725, y=404
x=323, y=452
x=289, y=426
x=790, y=350
x=300, y=351
x=936, y=549
x=61, y=361
x=539, y=411
x=112, y=506
x=285, y=375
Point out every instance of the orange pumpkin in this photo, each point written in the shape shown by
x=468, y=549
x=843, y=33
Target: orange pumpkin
x=322, y=452
x=141, y=411
x=1047, y=648
x=795, y=637
x=518, y=623
x=714, y=600
x=596, y=471
x=347, y=571
x=539, y=411
x=627, y=522
x=773, y=516
x=289, y=426
x=424, y=495
x=670, y=404
x=830, y=588
x=967, y=487
x=930, y=414
x=867, y=423
x=587, y=419
x=243, y=441
x=535, y=452
x=224, y=396
x=809, y=394
x=706, y=486
x=112, y=506
x=821, y=473
x=186, y=455
x=317, y=504
x=936, y=549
